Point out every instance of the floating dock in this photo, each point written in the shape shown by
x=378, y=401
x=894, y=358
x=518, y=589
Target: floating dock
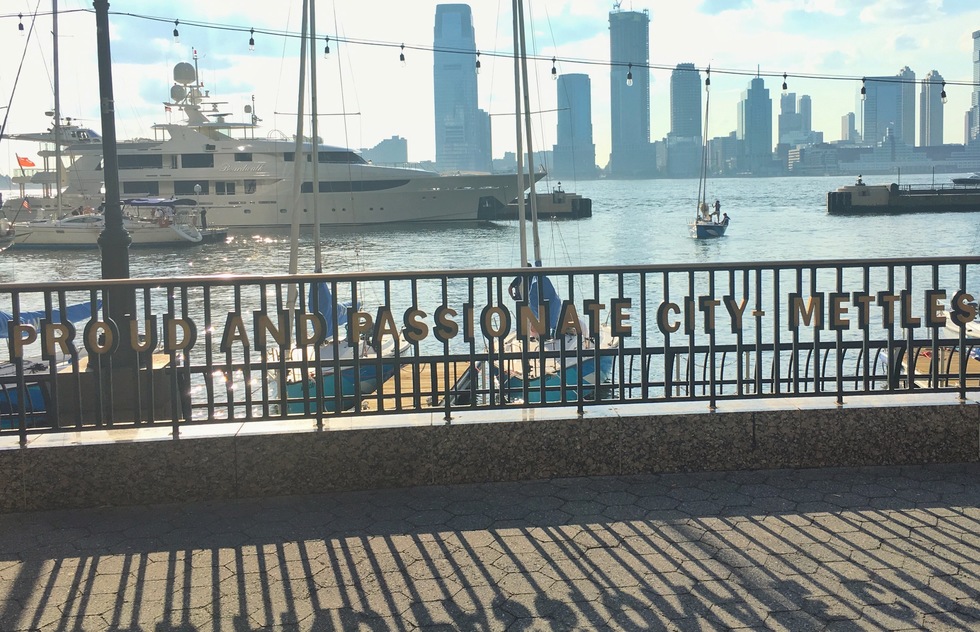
x=558, y=204
x=872, y=199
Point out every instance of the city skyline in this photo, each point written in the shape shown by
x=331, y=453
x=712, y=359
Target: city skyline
x=383, y=99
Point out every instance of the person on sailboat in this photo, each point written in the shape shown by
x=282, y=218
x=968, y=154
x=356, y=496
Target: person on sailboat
x=725, y=220
x=717, y=212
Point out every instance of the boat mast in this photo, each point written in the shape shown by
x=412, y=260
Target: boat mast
x=703, y=180
x=57, y=104
x=521, y=214
x=314, y=143
x=530, y=152
x=297, y=163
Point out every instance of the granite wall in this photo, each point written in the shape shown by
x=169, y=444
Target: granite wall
x=118, y=469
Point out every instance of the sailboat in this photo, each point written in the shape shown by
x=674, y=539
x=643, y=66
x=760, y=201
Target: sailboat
x=704, y=227
x=554, y=361
x=336, y=374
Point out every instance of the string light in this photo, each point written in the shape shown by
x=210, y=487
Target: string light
x=401, y=56
x=251, y=39
x=707, y=79
x=864, y=91
x=20, y=27
x=942, y=95
x=629, y=75
x=785, y=88
x=554, y=71
x=176, y=32
x=477, y=62
x=326, y=47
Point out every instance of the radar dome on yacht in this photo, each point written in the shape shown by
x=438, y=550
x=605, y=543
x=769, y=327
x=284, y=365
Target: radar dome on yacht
x=184, y=73
x=177, y=93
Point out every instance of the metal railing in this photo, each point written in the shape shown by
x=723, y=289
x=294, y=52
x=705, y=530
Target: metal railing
x=229, y=349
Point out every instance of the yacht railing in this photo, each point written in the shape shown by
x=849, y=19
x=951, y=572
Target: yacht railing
x=204, y=350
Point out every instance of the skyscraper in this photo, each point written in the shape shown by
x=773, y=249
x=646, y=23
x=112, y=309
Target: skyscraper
x=685, y=101
x=889, y=108
x=931, y=110
x=629, y=42
x=575, y=152
x=684, y=151
x=755, y=127
x=790, y=122
x=462, y=129
x=805, y=108
x=973, y=116
x=848, y=131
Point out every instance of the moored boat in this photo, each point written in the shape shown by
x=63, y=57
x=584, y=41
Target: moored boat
x=870, y=199
x=149, y=222
x=970, y=180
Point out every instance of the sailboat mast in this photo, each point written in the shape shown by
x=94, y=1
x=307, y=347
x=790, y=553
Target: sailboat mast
x=703, y=182
x=521, y=213
x=298, y=162
x=315, y=143
x=530, y=151
x=57, y=103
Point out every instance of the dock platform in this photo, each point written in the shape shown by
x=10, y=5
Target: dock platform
x=402, y=390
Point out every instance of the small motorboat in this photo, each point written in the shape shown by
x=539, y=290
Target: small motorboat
x=972, y=179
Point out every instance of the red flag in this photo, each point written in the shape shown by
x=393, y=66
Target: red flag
x=25, y=162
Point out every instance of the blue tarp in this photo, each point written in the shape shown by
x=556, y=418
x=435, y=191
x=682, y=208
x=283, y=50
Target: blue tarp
x=75, y=313
x=321, y=300
x=548, y=296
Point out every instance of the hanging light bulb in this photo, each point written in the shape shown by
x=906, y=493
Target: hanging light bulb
x=785, y=88
x=251, y=39
x=20, y=26
x=176, y=32
x=477, y=62
x=629, y=75
x=942, y=95
x=554, y=71
x=864, y=91
x=401, y=56
x=707, y=79
x=326, y=47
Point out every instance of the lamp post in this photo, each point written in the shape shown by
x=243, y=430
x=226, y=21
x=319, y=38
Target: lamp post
x=114, y=240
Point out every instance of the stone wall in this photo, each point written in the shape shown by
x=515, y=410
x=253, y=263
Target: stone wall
x=126, y=467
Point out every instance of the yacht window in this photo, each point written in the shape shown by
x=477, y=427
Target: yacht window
x=245, y=157
x=190, y=161
x=173, y=161
x=250, y=186
x=142, y=189
x=224, y=188
x=140, y=161
x=288, y=156
x=342, y=157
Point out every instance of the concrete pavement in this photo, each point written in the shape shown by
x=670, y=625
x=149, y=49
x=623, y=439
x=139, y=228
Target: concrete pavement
x=893, y=548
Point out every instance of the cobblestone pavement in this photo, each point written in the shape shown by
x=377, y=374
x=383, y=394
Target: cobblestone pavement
x=857, y=548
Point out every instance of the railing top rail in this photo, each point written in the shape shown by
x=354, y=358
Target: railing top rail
x=230, y=279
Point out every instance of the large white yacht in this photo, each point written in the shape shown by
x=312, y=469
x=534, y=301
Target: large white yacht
x=245, y=180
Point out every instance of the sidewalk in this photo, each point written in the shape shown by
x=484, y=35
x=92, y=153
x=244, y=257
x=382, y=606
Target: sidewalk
x=863, y=548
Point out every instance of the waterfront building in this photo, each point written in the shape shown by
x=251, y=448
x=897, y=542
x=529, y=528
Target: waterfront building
x=629, y=78
x=754, y=129
x=575, y=152
x=889, y=108
x=390, y=151
x=684, y=139
x=973, y=115
x=462, y=129
x=790, y=122
x=931, y=110
x=848, y=128
x=805, y=108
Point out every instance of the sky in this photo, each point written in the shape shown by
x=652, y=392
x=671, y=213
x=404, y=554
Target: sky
x=365, y=94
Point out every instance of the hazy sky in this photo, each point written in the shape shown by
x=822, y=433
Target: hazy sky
x=382, y=98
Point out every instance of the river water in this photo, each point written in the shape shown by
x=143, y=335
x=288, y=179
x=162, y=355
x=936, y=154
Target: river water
x=633, y=223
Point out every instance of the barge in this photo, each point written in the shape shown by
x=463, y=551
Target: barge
x=872, y=199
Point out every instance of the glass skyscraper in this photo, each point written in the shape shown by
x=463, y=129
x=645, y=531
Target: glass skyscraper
x=685, y=102
x=462, y=129
x=574, y=155
x=755, y=128
x=889, y=108
x=973, y=116
x=629, y=99
x=931, y=110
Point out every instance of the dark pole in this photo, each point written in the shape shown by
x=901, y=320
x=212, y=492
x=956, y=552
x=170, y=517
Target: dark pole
x=114, y=239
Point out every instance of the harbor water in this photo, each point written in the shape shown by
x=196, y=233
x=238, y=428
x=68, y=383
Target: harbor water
x=633, y=223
